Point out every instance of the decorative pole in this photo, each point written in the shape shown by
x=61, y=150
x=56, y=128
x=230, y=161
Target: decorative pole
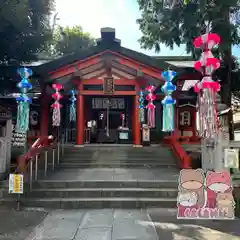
x=207, y=90
x=168, y=102
x=141, y=107
x=23, y=100
x=72, y=106
x=56, y=117
x=150, y=106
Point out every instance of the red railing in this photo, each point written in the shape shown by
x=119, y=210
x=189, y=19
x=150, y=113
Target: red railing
x=41, y=144
x=184, y=160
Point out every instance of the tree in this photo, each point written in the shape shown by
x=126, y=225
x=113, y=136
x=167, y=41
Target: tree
x=178, y=25
x=68, y=40
x=24, y=29
x=181, y=23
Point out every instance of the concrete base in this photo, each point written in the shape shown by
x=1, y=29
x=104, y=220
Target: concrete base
x=137, y=146
x=78, y=146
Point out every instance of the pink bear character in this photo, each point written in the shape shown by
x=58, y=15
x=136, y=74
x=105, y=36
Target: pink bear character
x=217, y=182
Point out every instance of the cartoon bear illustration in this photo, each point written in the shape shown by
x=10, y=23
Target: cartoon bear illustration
x=226, y=204
x=217, y=182
x=187, y=199
x=191, y=193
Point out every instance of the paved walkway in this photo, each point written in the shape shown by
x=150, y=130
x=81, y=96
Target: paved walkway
x=110, y=224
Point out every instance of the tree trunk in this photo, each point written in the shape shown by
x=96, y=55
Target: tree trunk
x=227, y=57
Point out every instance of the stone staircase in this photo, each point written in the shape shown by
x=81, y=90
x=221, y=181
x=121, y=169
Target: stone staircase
x=106, y=177
x=117, y=157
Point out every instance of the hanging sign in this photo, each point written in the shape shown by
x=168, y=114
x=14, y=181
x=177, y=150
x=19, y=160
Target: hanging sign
x=18, y=139
x=104, y=103
x=231, y=158
x=16, y=183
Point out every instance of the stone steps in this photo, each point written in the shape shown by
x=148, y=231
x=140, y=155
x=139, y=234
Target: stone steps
x=116, y=158
x=115, y=165
x=88, y=165
x=47, y=184
x=100, y=192
x=93, y=203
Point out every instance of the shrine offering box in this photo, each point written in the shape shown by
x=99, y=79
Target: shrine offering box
x=123, y=135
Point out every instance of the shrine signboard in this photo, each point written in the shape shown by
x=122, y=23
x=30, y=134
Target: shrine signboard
x=108, y=85
x=104, y=103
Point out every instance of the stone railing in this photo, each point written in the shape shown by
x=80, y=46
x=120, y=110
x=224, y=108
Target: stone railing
x=5, y=156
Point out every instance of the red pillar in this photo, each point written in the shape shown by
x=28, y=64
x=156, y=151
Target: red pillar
x=136, y=123
x=80, y=120
x=175, y=132
x=44, y=115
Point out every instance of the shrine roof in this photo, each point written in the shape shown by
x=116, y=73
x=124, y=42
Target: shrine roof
x=107, y=42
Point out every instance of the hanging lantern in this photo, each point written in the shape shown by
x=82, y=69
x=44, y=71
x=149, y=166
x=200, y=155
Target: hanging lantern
x=168, y=102
x=122, y=118
x=101, y=116
x=56, y=117
x=141, y=107
x=23, y=100
x=150, y=106
x=73, y=106
x=207, y=88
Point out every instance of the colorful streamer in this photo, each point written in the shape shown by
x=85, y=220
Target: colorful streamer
x=168, y=102
x=56, y=117
x=73, y=106
x=23, y=100
x=150, y=106
x=207, y=88
x=141, y=107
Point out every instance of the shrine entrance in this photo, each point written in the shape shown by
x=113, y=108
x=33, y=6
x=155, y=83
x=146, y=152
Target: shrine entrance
x=109, y=119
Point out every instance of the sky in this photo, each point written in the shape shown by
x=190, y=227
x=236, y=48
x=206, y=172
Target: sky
x=92, y=15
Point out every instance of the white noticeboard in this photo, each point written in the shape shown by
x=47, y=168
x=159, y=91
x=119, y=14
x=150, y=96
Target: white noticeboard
x=145, y=133
x=16, y=183
x=231, y=158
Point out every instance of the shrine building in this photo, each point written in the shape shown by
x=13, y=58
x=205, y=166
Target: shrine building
x=108, y=78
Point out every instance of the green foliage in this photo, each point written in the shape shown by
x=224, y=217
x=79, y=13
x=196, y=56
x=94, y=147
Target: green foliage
x=68, y=40
x=182, y=23
x=24, y=29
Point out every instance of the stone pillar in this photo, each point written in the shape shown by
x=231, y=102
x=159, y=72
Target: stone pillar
x=136, y=123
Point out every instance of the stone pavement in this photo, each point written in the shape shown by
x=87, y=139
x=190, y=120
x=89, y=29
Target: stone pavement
x=109, y=224
x=17, y=225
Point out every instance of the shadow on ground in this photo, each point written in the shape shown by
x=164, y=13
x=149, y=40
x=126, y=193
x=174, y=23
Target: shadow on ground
x=168, y=227
x=18, y=224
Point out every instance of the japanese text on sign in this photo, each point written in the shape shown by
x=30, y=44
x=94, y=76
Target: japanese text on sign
x=16, y=183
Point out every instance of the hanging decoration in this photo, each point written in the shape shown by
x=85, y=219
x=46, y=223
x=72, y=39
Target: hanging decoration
x=23, y=100
x=141, y=107
x=122, y=116
x=207, y=88
x=168, y=102
x=56, y=117
x=73, y=106
x=150, y=106
x=101, y=116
